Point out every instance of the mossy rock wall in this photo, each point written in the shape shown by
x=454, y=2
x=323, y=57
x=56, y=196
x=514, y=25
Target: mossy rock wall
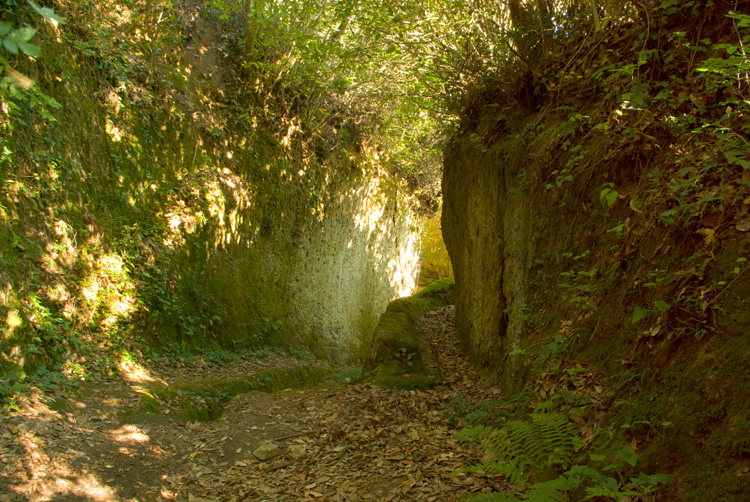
x=578, y=243
x=486, y=224
x=151, y=208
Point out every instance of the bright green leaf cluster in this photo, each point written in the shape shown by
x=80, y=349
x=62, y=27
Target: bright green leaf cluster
x=18, y=39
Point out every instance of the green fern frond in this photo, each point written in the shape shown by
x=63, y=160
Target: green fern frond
x=550, y=491
x=479, y=433
x=490, y=497
x=545, y=440
x=490, y=468
x=548, y=439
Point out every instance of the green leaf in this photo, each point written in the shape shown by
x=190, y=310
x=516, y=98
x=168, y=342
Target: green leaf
x=22, y=34
x=15, y=92
x=628, y=454
x=650, y=480
x=4, y=28
x=50, y=101
x=607, y=197
x=638, y=314
x=584, y=470
x=10, y=45
x=47, y=13
x=604, y=489
x=30, y=49
x=596, y=457
x=661, y=305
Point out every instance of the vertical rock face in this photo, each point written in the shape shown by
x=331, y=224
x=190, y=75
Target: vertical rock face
x=364, y=254
x=473, y=233
x=317, y=276
x=580, y=249
x=243, y=242
x=483, y=219
x=436, y=263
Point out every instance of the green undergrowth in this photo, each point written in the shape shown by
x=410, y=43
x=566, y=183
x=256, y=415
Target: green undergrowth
x=398, y=358
x=205, y=400
x=550, y=441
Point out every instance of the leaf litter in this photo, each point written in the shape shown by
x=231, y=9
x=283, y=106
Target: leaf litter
x=336, y=442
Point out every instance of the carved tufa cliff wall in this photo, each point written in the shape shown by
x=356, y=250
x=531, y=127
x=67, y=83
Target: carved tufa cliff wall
x=594, y=229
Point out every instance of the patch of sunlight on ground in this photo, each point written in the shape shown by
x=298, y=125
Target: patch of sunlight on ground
x=53, y=480
x=135, y=373
x=66, y=482
x=129, y=434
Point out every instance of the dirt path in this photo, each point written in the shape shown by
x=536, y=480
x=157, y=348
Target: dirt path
x=337, y=442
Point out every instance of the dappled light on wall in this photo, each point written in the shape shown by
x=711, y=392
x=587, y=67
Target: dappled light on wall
x=406, y=268
x=108, y=291
x=371, y=211
x=365, y=253
x=114, y=132
x=172, y=213
x=228, y=198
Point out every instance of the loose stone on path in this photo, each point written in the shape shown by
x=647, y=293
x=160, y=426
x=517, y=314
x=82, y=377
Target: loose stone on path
x=266, y=451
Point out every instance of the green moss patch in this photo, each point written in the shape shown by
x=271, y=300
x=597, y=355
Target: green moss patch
x=393, y=375
x=398, y=358
x=203, y=401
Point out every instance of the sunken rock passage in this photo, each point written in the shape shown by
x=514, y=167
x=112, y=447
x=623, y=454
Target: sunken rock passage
x=338, y=442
